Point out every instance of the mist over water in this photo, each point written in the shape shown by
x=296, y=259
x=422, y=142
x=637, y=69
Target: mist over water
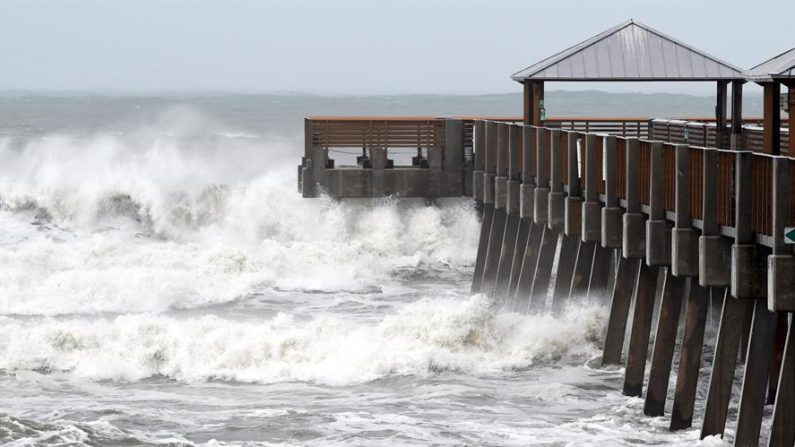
x=163, y=283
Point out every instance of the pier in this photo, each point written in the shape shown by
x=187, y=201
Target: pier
x=682, y=216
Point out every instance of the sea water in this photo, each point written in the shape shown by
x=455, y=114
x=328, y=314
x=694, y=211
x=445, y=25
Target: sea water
x=162, y=282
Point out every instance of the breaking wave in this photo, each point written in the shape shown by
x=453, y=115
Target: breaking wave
x=425, y=337
x=118, y=223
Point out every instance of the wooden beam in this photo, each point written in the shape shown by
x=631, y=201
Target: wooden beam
x=772, y=119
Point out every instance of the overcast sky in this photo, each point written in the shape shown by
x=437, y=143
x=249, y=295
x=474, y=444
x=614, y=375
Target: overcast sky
x=349, y=47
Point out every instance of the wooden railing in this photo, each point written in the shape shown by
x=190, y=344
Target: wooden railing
x=725, y=163
x=704, y=133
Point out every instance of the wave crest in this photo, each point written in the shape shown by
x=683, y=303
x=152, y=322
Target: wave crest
x=423, y=338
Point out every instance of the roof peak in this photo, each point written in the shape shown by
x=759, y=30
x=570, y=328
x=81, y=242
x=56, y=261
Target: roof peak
x=620, y=54
x=781, y=66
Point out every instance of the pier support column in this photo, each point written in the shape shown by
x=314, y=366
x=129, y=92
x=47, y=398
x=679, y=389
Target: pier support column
x=647, y=281
x=782, y=429
x=512, y=223
x=500, y=212
x=567, y=256
x=592, y=218
x=529, y=251
x=724, y=362
x=633, y=250
x=684, y=264
x=549, y=240
x=752, y=398
x=522, y=236
x=664, y=344
x=641, y=328
x=690, y=356
x=489, y=145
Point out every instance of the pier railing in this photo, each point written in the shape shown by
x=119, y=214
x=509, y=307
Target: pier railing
x=719, y=178
x=704, y=133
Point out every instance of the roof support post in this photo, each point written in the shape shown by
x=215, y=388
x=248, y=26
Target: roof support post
x=538, y=104
x=527, y=95
x=720, y=114
x=772, y=119
x=737, y=115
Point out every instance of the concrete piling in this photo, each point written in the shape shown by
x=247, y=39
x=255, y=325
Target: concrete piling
x=510, y=234
x=664, y=344
x=654, y=228
x=690, y=356
x=633, y=249
x=641, y=328
x=549, y=238
x=488, y=147
x=724, y=362
x=529, y=253
x=752, y=398
x=497, y=230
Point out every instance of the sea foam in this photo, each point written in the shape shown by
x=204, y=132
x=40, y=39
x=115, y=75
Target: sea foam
x=426, y=337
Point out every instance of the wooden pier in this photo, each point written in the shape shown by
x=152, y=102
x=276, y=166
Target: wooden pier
x=676, y=215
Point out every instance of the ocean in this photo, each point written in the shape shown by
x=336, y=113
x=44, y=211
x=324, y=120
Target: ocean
x=162, y=282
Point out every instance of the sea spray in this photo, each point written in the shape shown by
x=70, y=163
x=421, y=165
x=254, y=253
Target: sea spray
x=426, y=337
x=121, y=224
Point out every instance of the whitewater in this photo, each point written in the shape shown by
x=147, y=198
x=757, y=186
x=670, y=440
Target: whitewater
x=162, y=282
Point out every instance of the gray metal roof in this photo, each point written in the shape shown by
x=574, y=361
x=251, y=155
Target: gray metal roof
x=631, y=51
x=779, y=67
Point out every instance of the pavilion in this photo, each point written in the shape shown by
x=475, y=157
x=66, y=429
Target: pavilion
x=634, y=52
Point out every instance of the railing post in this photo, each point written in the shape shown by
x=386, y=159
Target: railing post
x=573, y=211
x=542, y=178
x=478, y=143
x=746, y=278
x=658, y=236
x=684, y=238
x=634, y=236
x=781, y=264
x=611, y=214
x=452, y=180
x=714, y=251
x=591, y=208
x=557, y=206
